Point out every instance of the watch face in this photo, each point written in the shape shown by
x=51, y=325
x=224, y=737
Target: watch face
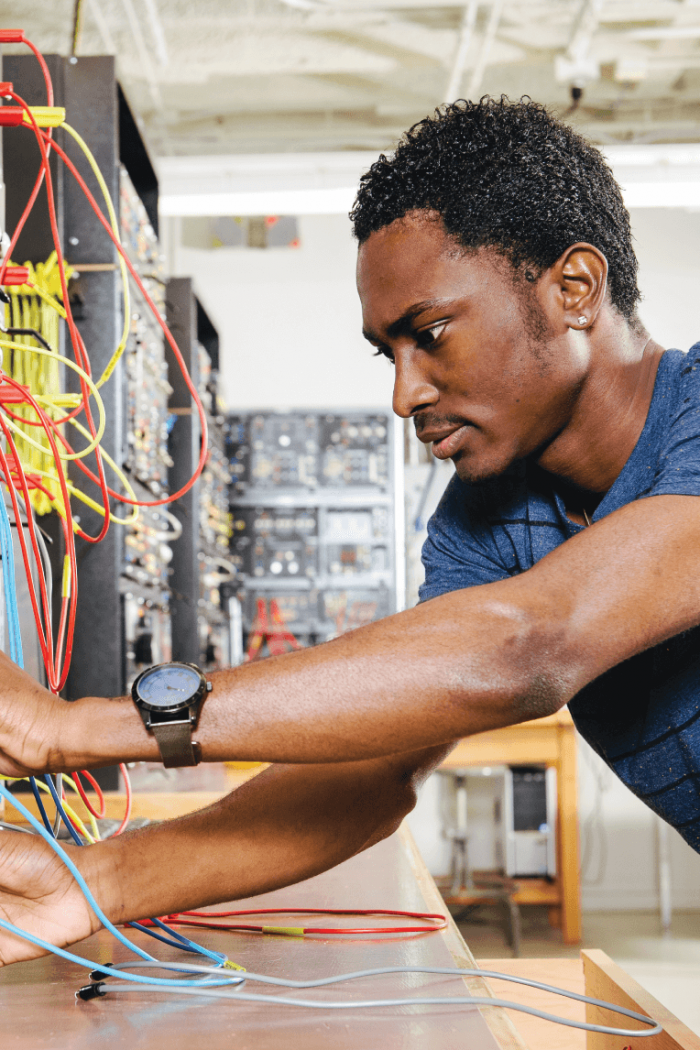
x=169, y=686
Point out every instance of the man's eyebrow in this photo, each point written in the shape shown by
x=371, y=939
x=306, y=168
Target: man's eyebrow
x=404, y=324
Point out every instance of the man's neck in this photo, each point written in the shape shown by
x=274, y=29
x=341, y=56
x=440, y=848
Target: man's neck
x=609, y=415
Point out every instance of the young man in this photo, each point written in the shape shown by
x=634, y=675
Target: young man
x=496, y=273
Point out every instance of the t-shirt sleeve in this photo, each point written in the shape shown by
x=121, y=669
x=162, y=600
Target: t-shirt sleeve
x=678, y=468
x=460, y=550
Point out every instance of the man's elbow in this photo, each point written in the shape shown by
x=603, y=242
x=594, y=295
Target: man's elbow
x=534, y=678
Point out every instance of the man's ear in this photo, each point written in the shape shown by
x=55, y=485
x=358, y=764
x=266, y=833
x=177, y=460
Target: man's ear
x=579, y=282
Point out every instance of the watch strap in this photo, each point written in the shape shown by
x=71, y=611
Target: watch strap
x=175, y=743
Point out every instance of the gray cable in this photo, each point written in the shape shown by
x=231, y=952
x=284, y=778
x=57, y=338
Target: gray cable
x=421, y=1001
x=57, y=819
x=6, y=826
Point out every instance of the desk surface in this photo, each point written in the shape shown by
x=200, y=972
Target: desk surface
x=39, y=1011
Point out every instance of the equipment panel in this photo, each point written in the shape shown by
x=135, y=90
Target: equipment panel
x=314, y=521
x=274, y=451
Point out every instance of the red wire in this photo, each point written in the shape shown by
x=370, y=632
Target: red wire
x=439, y=922
x=76, y=340
x=96, y=787
x=44, y=70
x=70, y=545
x=166, y=332
x=57, y=669
x=127, y=788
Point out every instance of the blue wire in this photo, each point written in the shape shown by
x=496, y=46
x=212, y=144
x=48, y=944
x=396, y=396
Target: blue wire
x=125, y=975
x=10, y=586
x=189, y=945
x=59, y=806
x=85, y=889
x=40, y=805
x=183, y=943
x=13, y=625
x=87, y=893
x=17, y=656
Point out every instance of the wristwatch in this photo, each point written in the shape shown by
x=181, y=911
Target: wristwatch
x=168, y=698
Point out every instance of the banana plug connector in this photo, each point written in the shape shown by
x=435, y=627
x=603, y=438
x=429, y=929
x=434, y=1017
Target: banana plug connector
x=91, y=991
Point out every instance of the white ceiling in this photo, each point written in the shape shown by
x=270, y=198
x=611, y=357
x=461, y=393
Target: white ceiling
x=275, y=76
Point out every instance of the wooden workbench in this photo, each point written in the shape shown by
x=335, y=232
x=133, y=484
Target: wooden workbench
x=38, y=1010
x=550, y=742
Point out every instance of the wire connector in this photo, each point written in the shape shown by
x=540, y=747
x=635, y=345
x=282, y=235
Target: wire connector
x=98, y=975
x=11, y=36
x=11, y=116
x=91, y=991
x=46, y=116
x=15, y=274
x=6, y=88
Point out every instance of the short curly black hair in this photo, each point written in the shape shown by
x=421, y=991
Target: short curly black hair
x=506, y=175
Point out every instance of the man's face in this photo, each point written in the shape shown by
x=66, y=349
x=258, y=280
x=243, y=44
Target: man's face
x=482, y=361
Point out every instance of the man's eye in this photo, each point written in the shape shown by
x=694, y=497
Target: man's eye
x=428, y=336
x=384, y=351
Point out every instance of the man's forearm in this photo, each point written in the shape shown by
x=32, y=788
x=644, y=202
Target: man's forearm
x=286, y=824
x=457, y=665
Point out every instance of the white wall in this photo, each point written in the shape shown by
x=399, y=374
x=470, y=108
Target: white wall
x=667, y=242
x=289, y=320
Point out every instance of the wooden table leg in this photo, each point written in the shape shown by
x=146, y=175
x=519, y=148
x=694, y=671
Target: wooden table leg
x=568, y=837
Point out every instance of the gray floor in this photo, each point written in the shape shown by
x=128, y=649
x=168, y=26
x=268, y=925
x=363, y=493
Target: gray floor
x=668, y=965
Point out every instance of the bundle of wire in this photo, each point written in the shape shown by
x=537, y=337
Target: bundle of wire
x=37, y=422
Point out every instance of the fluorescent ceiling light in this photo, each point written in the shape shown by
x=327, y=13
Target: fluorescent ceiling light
x=652, y=176
x=662, y=194
x=335, y=201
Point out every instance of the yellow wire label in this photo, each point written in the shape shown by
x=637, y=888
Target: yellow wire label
x=285, y=931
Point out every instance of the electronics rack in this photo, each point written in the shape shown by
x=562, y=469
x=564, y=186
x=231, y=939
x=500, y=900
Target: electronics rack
x=317, y=502
x=200, y=620
x=144, y=583
x=215, y=520
x=121, y=618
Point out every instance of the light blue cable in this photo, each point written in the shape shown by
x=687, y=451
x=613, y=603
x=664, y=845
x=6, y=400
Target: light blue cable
x=14, y=632
x=85, y=889
x=10, y=586
x=16, y=654
x=90, y=964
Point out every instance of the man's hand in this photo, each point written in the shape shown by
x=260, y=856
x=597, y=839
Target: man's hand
x=38, y=894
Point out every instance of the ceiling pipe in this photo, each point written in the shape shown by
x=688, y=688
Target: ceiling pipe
x=486, y=47
x=102, y=26
x=144, y=55
x=158, y=32
x=466, y=32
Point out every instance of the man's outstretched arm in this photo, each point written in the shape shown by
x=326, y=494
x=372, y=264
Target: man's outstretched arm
x=285, y=825
x=460, y=664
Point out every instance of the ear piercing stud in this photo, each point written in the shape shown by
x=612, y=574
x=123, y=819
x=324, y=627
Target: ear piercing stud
x=582, y=319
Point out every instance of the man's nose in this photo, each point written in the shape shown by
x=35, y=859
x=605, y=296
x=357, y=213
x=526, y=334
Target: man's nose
x=413, y=391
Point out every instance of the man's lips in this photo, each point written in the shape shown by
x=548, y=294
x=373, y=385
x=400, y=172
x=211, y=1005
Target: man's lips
x=445, y=442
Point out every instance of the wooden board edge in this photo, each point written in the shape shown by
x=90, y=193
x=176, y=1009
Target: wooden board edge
x=498, y=1021
x=604, y=979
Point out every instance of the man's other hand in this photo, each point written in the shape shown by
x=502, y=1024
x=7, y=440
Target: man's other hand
x=38, y=894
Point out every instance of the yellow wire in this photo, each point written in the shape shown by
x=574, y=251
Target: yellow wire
x=48, y=299
x=92, y=838
x=122, y=265
x=8, y=344
x=135, y=511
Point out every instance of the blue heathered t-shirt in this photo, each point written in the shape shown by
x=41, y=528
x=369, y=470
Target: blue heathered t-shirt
x=643, y=716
